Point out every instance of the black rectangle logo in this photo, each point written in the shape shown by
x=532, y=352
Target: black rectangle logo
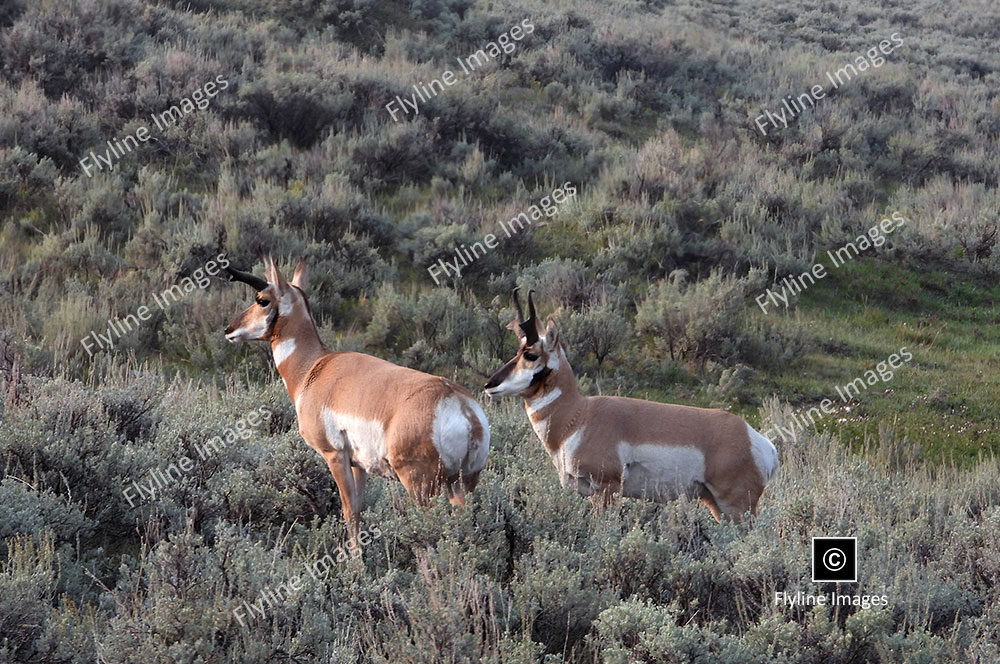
x=835, y=559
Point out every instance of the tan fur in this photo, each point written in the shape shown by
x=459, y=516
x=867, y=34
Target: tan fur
x=721, y=436
x=402, y=400
x=732, y=481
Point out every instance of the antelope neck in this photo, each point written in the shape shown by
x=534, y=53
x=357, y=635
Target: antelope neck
x=296, y=346
x=555, y=408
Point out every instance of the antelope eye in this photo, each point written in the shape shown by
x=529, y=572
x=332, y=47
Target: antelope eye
x=263, y=303
x=531, y=357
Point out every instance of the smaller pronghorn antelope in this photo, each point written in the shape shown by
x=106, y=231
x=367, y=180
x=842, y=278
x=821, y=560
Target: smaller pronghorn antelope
x=363, y=414
x=603, y=446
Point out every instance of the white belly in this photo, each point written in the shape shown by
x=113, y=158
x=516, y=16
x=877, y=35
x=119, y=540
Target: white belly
x=660, y=472
x=363, y=438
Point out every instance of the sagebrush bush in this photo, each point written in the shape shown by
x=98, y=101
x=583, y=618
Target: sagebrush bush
x=527, y=568
x=698, y=321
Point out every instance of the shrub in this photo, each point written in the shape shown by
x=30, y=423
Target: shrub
x=600, y=329
x=697, y=321
x=62, y=131
x=554, y=594
x=428, y=329
x=640, y=632
x=27, y=589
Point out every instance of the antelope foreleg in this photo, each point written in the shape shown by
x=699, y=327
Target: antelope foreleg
x=350, y=500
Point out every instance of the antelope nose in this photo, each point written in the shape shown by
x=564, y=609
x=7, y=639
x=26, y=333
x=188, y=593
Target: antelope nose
x=228, y=330
x=492, y=382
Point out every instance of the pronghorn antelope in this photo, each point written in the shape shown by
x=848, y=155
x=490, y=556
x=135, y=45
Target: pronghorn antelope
x=603, y=446
x=363, y=414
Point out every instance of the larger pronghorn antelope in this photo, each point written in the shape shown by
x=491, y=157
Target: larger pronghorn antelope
x=603, y=446
x=363, y=414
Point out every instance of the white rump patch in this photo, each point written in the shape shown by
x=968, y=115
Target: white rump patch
x=475, y=460
x=765, y=455
x=365, y=439
x=451, y=433
x=283, y=350
x=541, y=402
x=660, y=472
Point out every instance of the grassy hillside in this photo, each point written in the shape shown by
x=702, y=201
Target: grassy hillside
x=270, y=129
x=944, y=402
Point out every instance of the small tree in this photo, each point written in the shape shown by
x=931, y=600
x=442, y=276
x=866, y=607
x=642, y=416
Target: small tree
x=600, y=329
x=699, y=321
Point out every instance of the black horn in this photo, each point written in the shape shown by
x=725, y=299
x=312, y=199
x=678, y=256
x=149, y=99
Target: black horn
x=517, y=308
x=254, y=282
x=528, y=326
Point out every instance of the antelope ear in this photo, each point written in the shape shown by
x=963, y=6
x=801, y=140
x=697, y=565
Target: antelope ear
x=301, y=277
x=550, y=338
x=515, y=327
x=268, y=273
x=273, y=275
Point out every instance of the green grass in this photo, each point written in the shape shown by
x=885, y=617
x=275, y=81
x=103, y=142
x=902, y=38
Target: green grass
x=946, y=401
